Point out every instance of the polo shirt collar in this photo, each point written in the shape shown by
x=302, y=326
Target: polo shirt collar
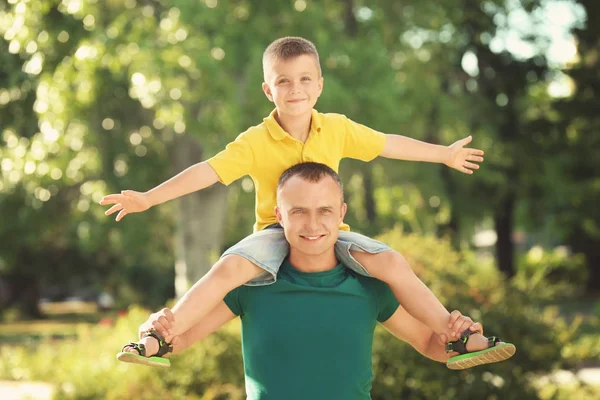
x=277, y=132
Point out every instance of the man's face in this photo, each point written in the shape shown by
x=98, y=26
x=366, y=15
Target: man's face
x=310, y=213
x=294, y=85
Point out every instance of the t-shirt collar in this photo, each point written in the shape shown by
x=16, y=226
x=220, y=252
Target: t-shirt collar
x=277, y=132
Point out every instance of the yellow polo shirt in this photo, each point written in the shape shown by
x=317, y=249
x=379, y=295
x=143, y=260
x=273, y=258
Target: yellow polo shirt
x=266, y=150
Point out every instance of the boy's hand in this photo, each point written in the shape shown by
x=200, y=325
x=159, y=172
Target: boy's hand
x=458, y=324
x=463, y=159
x=128, y=202
x=162, y=322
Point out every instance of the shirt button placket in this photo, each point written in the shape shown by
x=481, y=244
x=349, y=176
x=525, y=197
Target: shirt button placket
x=305, y=156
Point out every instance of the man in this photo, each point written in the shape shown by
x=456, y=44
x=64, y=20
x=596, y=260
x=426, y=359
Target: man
x=317, y=320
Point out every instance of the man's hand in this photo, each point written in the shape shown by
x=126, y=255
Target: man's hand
x=162, y=322
x=458, y=324
x=128, y=202
x=463, y=159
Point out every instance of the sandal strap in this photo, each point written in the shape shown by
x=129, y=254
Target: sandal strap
x=163, y=346
x=141, y=349
x=460, y=345
x=493, y=340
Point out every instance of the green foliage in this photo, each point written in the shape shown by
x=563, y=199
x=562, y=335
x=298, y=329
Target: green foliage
x=87, y=368
x=551, y=274
x=482, y=293
x=93, y=95
x=571, y=392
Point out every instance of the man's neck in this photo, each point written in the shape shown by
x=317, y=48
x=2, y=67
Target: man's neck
x=297, y=127
x=316, y=263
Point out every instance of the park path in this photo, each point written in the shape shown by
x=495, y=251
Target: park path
x=12, y=390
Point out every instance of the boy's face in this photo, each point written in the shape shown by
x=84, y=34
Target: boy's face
x=294, y=85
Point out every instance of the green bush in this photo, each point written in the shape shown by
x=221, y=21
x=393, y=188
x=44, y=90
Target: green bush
x=483, y=294
x=86, y=368
x=551, y=274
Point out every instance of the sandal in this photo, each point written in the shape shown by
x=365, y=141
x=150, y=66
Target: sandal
x=494, y=353
x=153, y=361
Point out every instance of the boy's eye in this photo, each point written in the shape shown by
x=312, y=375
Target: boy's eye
x=283, y=81
x=305, y=78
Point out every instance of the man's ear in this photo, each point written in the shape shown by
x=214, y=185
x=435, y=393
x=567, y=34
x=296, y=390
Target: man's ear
x=267, y=91
x=343, y=212
x=278, y=215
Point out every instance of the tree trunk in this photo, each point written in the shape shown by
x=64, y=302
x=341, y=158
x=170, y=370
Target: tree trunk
x=21, y=291
x=581, y=242
x=593, y=261
x=370, y=206
x=503, y=220
x=451, y=228
x=200, y=221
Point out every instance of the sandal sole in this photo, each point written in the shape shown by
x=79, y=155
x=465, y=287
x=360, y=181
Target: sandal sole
x=498, y=353
x=149, y=361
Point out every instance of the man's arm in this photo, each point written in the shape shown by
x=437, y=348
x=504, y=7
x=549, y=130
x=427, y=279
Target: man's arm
x=403, y=326
x=218, y=317
x=455, y=156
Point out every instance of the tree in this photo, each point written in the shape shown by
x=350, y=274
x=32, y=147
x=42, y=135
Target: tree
x=573, y=147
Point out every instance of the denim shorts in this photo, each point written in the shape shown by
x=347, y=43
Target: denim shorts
x=269, y=248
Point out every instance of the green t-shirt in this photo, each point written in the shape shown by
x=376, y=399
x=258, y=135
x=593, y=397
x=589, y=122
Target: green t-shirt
x=309, y=336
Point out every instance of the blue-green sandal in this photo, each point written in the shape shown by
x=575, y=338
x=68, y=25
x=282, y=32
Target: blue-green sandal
x=153, y=361
x=495, y=352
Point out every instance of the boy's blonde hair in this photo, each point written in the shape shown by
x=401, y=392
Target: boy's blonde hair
x=287, y=48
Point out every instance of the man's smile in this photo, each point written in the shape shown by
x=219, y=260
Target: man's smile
x=312, y=238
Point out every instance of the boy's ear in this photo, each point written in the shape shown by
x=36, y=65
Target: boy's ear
x=267, y=91
x=321, y=85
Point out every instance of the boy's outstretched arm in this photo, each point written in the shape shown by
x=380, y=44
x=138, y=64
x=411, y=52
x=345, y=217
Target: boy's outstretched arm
x=196, y=177
x=455, y=156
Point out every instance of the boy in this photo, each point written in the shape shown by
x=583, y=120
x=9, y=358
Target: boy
x=293, y=133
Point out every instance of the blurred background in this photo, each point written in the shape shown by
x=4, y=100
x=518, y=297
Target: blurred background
x=97, y=96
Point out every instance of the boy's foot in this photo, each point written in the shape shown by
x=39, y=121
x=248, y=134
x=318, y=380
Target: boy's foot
x=475, y=349
x=139, y=353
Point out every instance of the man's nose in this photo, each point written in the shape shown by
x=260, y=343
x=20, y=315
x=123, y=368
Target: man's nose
x=313, y=222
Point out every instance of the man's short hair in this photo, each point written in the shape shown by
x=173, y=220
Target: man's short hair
x=311, y=172
x=289, y=47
